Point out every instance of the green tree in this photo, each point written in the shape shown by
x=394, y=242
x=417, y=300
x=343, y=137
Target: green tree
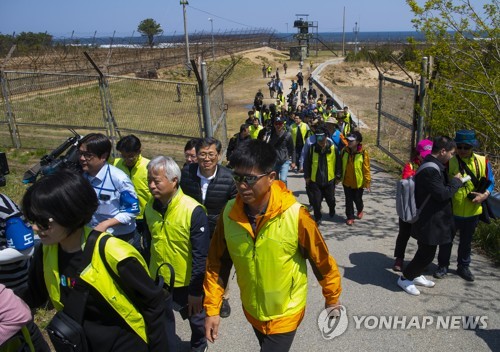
x=149, y=28
x=465, y=78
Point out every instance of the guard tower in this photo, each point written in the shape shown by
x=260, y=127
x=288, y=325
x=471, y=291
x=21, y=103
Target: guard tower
x=305, y=32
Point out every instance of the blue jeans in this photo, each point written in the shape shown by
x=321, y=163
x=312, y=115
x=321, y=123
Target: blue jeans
x=282, y=170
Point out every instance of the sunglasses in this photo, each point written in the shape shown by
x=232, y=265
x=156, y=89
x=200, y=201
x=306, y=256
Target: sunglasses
x=248, y=179
x=464, y=147
x=42, y=224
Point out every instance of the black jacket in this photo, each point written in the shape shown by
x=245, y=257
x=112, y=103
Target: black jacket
x=283, y=145
x=221, y=189
x=322, y=172
x=435, y=225
x=234, y=142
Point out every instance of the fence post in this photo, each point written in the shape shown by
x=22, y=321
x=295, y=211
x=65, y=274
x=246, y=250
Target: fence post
x=206, y=101
x=421, y=115
x=112, y=127
x=14, y=132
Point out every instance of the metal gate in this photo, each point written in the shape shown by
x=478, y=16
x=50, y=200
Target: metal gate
x=397, y=116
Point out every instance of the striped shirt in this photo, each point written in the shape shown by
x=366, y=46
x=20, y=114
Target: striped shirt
x=13, y=273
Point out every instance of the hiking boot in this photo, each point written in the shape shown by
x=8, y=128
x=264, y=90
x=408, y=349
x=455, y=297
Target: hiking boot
x=464, y=273
x=441, y=272
x=349, y=222
x=422, y=281
x=360, y=215
x=331, y=214
x=225, y=309
x=398, y=264
x=408, y=286
x=319, y=222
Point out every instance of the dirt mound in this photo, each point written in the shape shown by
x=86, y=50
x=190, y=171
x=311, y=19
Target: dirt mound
x=359, y=74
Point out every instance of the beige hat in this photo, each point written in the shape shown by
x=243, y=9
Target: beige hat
x=331, y=119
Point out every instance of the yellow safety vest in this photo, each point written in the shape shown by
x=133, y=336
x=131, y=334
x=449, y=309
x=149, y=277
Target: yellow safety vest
x=254, y=132
x=303, y=131
x=346, y=130
x=266, y=116
x=358, y=166
x=330, y=162
x=96, y=275
x=139, y=177
x=171, y=238
x=274, y=254
x=463, y=206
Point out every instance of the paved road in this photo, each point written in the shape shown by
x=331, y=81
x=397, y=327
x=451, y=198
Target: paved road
x=364, y=256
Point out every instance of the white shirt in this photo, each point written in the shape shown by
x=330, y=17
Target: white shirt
x=204, y=182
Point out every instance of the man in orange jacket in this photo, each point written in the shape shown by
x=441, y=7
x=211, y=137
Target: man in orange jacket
x=267, y=235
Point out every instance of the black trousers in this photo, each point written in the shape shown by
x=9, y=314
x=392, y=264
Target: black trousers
x=275, y=342
x=353, y=196
x=318, y=192
x=424, y=256
x=404, y=235
x=466, y=227
x=196, y=321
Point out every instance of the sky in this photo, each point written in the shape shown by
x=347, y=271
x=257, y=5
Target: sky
x=62, y=18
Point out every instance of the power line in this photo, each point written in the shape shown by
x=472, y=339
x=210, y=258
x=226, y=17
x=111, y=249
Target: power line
x=222, y=18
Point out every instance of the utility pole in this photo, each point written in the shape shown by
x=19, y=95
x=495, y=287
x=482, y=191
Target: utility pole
x=213, y=42
x=343, y=34
x=186, y=36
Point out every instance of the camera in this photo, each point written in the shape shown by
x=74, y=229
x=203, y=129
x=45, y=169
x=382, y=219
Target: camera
x=4, y=169
x=481, y=187
x=54, y=161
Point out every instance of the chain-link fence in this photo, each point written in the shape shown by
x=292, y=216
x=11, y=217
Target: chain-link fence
x=39, y=111
x=396, y=118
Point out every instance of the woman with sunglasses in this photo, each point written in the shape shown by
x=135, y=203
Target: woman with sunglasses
x=467, y=202
x=125, y=316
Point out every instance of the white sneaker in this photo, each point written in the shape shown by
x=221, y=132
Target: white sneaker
x=408, y=286
x=422, y=281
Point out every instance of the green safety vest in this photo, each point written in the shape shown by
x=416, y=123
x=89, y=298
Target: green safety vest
x=97, y=276
x=330, y=163
x=358, y=166
x=303, y=131
x=463, y=206
x=139, y=177
x=271, y=272
x=254, y=132
x=171, y=238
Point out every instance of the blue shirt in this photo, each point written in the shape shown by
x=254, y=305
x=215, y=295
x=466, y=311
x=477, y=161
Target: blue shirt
x=117, y=199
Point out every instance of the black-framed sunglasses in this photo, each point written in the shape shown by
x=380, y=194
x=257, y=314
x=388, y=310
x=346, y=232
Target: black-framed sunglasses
x=464, y=146
x=42, y=224
x=248, y=179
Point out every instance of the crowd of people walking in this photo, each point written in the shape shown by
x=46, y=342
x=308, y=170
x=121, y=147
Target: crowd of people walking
x=126, y=242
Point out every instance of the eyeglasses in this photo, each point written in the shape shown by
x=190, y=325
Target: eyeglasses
x=464, y=147
x=86, y=155
x=248, y=179
x=42, y=224
x=210, y=155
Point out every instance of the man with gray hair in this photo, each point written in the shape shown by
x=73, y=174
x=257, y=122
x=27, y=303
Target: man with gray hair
x=178, y=228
